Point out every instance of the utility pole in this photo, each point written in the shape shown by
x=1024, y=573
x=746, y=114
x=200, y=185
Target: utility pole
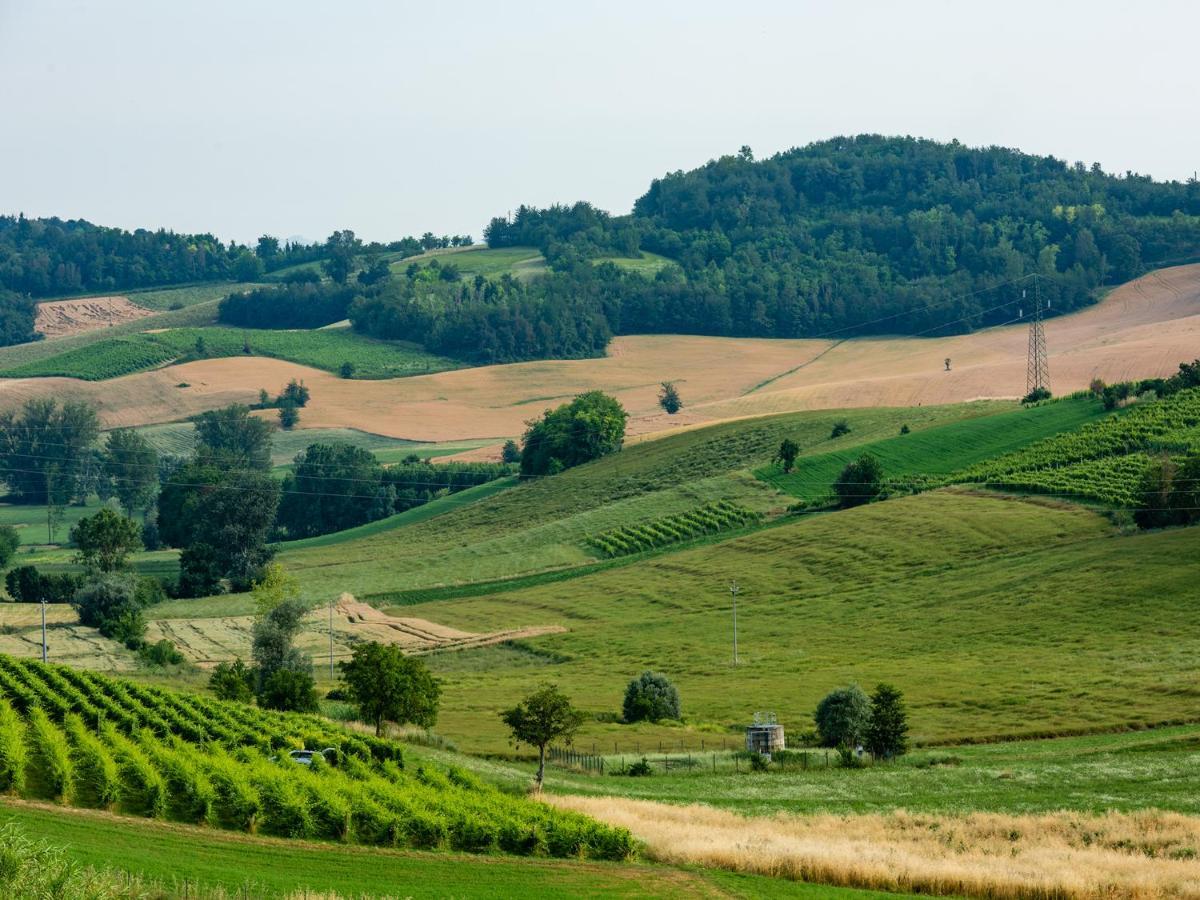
x=44, y=631
x=733, y=592
x=331, y=678
x=1037, y=369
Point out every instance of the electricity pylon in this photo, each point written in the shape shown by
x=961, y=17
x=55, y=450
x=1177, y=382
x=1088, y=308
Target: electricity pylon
x=1037, y=369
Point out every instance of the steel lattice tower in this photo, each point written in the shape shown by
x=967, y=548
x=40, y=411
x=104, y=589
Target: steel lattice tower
x=1037, y=369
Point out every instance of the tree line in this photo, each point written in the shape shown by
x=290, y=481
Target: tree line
x=870, y=234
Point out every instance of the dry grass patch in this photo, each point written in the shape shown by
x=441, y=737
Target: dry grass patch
x=1061, y=855
x=57, y=318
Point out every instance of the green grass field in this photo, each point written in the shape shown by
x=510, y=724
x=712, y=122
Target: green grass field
x=257, y=867
x=321, y=349
x=648, y=264
x=30, y=521
x=936, y=451
x=521, y=262
x=172, y=298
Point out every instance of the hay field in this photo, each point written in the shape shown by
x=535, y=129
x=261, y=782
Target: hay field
x=1065, y=855
x=58, y=318
x=1142, y=329
x=208, y=641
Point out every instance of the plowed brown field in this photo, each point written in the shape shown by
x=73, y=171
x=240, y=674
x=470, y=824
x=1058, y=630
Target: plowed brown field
x=61, y=317
x=1141, y=329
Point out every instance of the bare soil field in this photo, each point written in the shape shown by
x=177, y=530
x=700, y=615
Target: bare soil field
x=58, y=318
x=209, y=641
x=1141, y=329
x=1066, y=855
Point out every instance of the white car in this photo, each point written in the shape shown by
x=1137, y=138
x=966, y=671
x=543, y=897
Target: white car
x=305, y=757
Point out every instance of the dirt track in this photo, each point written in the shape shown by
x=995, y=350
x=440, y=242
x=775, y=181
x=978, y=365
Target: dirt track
x=57, y=318
x=1142, y=329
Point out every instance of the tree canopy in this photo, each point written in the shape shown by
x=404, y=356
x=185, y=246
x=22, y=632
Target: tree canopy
x=589, y=427
x=388, y=686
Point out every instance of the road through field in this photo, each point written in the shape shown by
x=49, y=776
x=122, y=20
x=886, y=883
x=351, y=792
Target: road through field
x=1141, y=329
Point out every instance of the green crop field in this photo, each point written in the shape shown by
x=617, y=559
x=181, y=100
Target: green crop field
x=189, y=295
x=321, y=349
x=77, y=738
x=925, y=454
x=648, y=263
x=521, y=262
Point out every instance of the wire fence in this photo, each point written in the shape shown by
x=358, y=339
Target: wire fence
x=733, y=759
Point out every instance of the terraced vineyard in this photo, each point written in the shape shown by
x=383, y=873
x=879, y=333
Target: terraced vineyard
x=1102, y=460
x=82, y=739
x=711, y=518
x=326, y=349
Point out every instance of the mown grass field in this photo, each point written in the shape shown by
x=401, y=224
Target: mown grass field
x=997, y=617
x=326, y=350
x=521, y=262
x=648, y=263
x=268, y=867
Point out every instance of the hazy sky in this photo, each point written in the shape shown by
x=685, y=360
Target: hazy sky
x=295, y=118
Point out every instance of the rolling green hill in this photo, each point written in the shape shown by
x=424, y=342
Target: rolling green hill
x=322, y=349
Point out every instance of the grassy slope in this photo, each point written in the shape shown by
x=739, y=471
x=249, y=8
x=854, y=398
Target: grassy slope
x=322, y=349
x=648, y=263
x=542, y=525
x=518, y=261
x=937, y=451
x=174, y=853
x=178, y=297
x=996, y=617
x=1126, y=771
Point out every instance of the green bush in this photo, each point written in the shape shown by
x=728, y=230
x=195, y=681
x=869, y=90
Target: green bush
x=650, y=697
x=843, y=716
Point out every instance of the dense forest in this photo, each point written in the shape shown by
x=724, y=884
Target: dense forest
x=870, y=234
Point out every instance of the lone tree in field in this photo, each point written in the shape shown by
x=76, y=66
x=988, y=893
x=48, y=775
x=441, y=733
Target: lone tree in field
x=887, y=735
x=105, y=540
x=860, y=482
x=668, y=398
x=289, y=415
x=650, y=697
x=590, y=426
x=388, y=686
x=843, y=717
x=131, y=468
x=543, y=717
x=786, y=454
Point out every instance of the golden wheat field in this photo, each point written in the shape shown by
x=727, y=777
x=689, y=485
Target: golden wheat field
x=1145, y=854
x=1141, y=329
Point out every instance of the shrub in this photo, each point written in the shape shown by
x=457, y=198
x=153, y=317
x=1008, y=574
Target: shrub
x=511, y=453
x=904, y=429
x=10, y=540
x=860, y=482
x=669, y=399
x=639, y=769
x=840, y=427
x=843, y=716
x=289, y=689
x=1036, y=395
x=650, y=696
x=161, y=653
x=232, y=681
x=111, y=605
x=887, y=734
x=346, y=370
x=26, y=584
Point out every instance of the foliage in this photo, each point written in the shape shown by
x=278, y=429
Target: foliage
x=388, y=686
x=589, y=427
x=289, y=415
x=294, y=305
x=650, y=697
x=1169, y=492
x=332, y=487
x=110, y=604
x=44, y=450
x=200, y=571
x=510, y=453
x=273, y=650
x=26, y=584
x=1037, y=395
x=273, y=588
x=161, y=653
x=232, y=681
x=711, y=518
x=289, y=689
x=668, y=398
x=843, y=717
x=926, y=234
x=887, y=734
x=105, y=540
x=786, y=454
x=10, y=540
x=131, y=469
x=860, y=482
x=840, y=427
x=18, y=315
x=232, y=438
x=543, y=717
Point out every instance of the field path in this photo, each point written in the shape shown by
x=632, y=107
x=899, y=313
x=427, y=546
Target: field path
x=1141, y=329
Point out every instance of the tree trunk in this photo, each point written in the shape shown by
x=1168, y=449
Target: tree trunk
x=541, y=773
x=379, y=727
